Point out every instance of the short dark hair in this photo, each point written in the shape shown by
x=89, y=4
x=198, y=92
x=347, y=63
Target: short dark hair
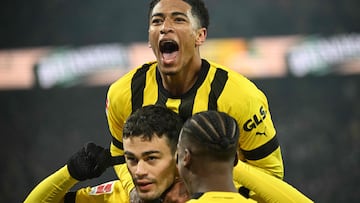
x=198, y=9
x=214, y=133
x=154, y=120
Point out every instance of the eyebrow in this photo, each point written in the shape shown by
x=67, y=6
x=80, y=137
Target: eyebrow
x=172, y=14
x=147, y=153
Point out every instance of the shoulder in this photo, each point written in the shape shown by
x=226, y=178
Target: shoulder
x=222, y=197
x=233, y=76
x=123, y=84
x=127, y=77
x=237, y=85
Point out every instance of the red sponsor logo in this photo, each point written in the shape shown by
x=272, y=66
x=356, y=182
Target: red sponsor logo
x=105, y=188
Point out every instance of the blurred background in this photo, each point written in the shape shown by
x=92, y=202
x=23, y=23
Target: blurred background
x=58, y=58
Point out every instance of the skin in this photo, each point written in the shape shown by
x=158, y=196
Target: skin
x=202, y=174
x=151, y=165
x=171, y=20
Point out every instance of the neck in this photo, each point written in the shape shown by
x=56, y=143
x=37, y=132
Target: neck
x=181, y=82
x=219, y=179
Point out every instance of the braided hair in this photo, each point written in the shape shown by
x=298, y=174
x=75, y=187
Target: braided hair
x=212, y=131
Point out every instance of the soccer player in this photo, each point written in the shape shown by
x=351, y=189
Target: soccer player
x=206, y=155
x=183, y=81
x=150, y=137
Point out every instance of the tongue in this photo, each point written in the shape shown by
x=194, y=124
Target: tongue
x=169, y=57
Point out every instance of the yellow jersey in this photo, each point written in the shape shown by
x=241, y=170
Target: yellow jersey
x=55, y=189
x=217, y=88
x=220, y=197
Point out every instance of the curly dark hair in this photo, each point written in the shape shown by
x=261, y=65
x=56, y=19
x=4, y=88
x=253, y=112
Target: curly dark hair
x=154, y=120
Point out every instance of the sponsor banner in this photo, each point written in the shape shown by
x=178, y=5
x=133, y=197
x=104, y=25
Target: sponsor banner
x=16, y=67
x=102, y=64
x=317, y=55
x=67, y=66
x=255, y=58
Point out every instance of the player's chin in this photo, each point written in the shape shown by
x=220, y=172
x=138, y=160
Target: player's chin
x=149, y=196
x=168, y=70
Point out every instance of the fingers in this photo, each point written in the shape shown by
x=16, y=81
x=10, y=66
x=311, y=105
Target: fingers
x=95, y=151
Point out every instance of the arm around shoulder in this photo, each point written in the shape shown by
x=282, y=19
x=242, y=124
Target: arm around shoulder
x=53, y=188
x=267, y=187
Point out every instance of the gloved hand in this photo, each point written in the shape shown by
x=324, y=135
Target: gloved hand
x=89, y=162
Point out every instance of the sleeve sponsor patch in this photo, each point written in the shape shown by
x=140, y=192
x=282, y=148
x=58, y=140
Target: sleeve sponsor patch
x=105, y=188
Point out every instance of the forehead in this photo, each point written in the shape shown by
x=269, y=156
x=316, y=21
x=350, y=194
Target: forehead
x=171, y=6
x=139, y=145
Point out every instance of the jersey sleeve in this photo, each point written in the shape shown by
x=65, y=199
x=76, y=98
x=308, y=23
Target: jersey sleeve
x=258, y=141
x=118, y=108
x=258, y=144
x=267, y=187
x=116, y=120
x=53, y=188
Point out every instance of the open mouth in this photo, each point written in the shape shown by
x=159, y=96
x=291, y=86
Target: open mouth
x=168, y=46
x=169, y=50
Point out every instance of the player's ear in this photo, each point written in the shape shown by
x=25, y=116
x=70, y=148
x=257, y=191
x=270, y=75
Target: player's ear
x=187, y=158
x=201, y=35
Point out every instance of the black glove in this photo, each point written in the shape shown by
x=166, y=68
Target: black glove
x=89, y=162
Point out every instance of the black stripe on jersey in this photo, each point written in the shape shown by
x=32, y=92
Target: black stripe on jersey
x=162, y=93
x=117, y=143
x=217, y=86
x=262, y=151
x=115, y=160
x=186, y=107
x=70, y=197
x=244, y=191
x=188, y=99
x=138, y=83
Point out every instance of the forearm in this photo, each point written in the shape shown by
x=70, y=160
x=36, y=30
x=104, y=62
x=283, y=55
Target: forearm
x=53, y=188
x=267, y=187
